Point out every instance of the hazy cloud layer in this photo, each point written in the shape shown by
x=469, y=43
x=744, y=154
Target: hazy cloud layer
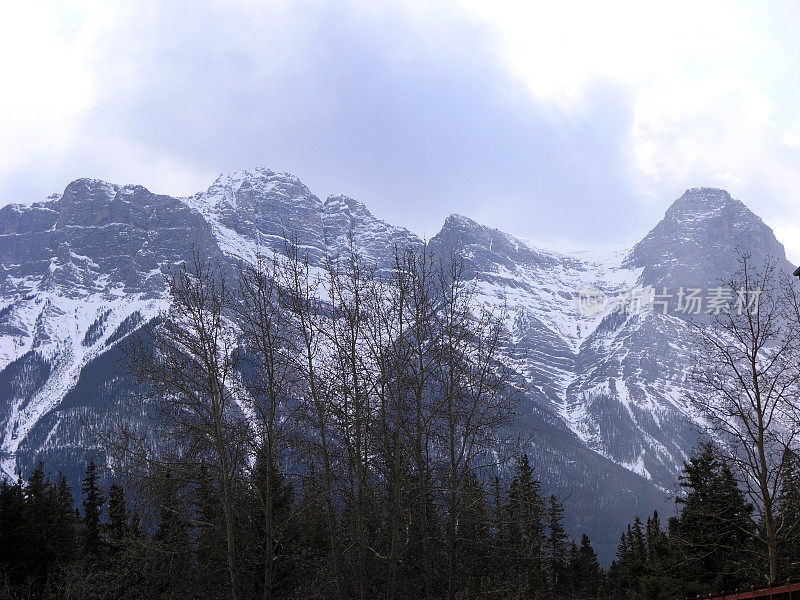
x=562, y=124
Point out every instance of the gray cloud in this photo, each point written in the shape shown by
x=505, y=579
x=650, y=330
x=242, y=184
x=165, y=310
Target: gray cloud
x=417, y=116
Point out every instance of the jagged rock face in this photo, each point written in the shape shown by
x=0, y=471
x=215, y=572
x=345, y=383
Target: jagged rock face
x=262, y=210
x=76, y=274
x=96, y=237
x=620, y=382
x=604, y=393
x=348, y=223
x=614, y=380
x=698, y=239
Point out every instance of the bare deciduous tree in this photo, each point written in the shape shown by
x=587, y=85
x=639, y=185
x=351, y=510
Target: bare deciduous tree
x=476, y=403
x=307, y=311
x=268, y=348
x=389, y=382
x=186, y=365
x=748, y=369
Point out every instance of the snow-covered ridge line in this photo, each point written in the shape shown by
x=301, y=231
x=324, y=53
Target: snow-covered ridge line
x=616, y=383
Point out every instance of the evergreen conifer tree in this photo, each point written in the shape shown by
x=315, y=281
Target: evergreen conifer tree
x=117, y=516
x=525, y=516
x=713, y=529
x=556, y=547
x=92, y=513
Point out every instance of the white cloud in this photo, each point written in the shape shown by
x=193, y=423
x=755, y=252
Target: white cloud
x=46, y=86
x=709, y=85
x=521, y=113
x=561, y=48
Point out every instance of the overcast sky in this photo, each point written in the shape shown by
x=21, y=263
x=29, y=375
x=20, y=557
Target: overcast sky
x=571, y=123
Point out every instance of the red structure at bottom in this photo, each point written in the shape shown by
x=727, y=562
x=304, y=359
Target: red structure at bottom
x=781, y=590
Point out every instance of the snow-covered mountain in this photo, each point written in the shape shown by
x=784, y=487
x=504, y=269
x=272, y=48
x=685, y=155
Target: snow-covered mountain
x=604, y=389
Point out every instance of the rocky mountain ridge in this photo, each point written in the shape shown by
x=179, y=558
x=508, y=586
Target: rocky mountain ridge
x=605, y=391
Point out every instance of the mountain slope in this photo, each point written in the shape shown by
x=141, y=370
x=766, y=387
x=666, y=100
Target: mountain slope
x=604, y=392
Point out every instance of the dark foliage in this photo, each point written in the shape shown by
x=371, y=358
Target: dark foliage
x=510, y=542
x=709, y=546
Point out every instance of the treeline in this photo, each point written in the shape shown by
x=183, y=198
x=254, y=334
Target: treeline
x=712, y=544
x=332, y=431
x=512, y=543
x=320, y=429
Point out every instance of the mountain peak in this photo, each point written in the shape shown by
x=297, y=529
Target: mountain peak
x=700, y=237
x=702, y=203
x=88, y=187
x=260, y=181
x=340, y=201
x=253, y=192
x=457, y=221
x=706, y=191
x=345, y=218
x=256, y=174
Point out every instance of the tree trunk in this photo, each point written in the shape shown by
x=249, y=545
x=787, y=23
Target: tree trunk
x=232, y=554
x=270, y=537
